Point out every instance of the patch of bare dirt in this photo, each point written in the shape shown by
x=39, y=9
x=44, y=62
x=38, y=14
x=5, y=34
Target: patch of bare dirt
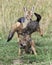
x=17, y=61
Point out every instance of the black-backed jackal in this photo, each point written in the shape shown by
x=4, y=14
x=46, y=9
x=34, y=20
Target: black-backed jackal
x=27, y=45
x=22, y=23
x=33, y=26
x=27, y=27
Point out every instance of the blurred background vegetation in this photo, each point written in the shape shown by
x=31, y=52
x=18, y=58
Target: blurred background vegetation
x=11, y=10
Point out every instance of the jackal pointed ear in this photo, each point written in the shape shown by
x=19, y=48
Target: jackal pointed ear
x=25, y=9
x=32, y=9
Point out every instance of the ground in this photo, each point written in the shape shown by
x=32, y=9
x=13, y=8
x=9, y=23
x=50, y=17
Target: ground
x=9, y=52
x=10, y=11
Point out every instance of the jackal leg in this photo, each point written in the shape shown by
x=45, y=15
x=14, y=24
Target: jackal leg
x=32, y=48
x=40, y=31
x=19, y=53
x=19, y=31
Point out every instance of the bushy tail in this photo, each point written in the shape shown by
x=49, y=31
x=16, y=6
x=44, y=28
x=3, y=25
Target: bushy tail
x=38, y=17
x=11, y=34
x=14, y=28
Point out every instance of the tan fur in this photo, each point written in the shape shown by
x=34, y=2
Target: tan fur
x=31, y=43
x=32, y=47
x=17, y=27
x=40, y=31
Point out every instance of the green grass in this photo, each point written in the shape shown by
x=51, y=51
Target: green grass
x=9, y=51
x=10, y=11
